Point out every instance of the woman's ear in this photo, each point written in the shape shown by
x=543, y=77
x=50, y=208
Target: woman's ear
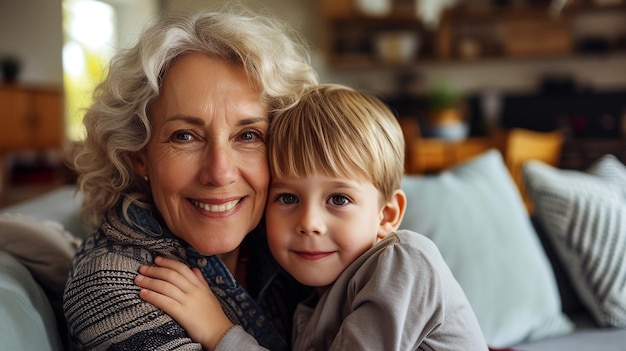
x=392, y=214
x=140, y=163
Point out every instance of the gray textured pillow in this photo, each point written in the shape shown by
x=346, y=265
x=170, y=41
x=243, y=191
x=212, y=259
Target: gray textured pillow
x=584, y=215
x=44, y=247
x=476, y=217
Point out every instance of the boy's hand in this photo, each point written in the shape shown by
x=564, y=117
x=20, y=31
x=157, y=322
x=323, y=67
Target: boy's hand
x=185, y=295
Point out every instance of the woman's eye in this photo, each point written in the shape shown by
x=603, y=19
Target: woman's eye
x=287, y=199
x=182, y=136
x=339, y=200
x=250, y=135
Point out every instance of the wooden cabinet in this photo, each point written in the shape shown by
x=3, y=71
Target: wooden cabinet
x=30, y=118
x=31, y=130
x=520, y=29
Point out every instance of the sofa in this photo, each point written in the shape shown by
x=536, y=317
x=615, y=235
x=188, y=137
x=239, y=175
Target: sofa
x=532, y=279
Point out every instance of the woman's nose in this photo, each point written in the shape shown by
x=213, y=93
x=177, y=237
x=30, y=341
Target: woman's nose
x=220, y=166
x=311, y=221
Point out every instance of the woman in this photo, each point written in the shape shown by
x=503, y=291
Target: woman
x=174, y=164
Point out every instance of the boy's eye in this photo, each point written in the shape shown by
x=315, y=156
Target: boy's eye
x=339, y=200
x=287, y=199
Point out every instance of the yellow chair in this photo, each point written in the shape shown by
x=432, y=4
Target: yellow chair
x=522, y=145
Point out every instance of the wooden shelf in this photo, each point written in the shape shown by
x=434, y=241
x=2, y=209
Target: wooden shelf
x=465, y=33
x=468, y=12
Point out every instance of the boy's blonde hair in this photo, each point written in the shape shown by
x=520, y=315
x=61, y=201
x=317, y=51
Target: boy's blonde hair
x=338, y=132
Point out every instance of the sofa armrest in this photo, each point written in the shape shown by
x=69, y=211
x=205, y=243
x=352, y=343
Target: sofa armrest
x=59, y=206
x=26, y=316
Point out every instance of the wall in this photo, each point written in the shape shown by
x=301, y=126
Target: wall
x=301, y=14
x=599, y=73
x=32, y=30
x=132, y=17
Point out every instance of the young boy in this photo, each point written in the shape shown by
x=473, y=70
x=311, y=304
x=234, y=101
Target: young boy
x=334, y=206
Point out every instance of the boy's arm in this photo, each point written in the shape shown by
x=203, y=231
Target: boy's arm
x=185, y=295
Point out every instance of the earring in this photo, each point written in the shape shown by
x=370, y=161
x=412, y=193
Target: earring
x=145, y=178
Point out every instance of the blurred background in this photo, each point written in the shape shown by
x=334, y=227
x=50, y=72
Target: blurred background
x=502, y=64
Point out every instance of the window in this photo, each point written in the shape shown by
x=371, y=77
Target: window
x=89, y=29
x=93, y=31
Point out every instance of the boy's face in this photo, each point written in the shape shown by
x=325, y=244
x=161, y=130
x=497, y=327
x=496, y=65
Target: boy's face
x=317, y=226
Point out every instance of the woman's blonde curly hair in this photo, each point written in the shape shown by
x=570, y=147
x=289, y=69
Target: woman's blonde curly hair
x=118, y=125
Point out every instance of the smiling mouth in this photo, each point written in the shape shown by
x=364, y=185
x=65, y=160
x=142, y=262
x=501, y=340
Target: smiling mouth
x=215, y=208
x=313, y=256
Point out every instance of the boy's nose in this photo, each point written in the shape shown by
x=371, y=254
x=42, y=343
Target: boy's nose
x=311, y=222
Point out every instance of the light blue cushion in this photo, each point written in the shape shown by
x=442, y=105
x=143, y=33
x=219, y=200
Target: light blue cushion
x=584, y=214
x=475, y=215
x=27, y=321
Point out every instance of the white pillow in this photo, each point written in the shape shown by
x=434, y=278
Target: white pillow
x=584, y=215
x=475, y=215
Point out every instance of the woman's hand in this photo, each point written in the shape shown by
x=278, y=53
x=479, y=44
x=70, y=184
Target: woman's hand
x=185, y=295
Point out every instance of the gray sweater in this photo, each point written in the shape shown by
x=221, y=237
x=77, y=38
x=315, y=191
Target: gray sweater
x=399, y=295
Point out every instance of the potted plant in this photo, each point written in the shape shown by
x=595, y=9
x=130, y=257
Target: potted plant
x=446, y=115
x=11, y=67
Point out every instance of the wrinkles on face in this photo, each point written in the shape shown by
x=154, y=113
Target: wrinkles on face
x=208, y=152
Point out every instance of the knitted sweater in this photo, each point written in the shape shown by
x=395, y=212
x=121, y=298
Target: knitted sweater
x=102, y=304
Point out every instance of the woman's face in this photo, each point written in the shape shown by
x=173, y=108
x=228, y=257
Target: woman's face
x=206, y=161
